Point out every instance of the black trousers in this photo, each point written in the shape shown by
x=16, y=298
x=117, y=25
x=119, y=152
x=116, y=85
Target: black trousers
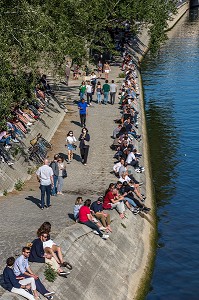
x=84, y=154
x=112, y=97
x=83, y=120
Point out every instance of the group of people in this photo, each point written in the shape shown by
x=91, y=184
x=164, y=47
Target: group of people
x=18, y=275
x=23, y=116
x=89, y=88
x=126, y=192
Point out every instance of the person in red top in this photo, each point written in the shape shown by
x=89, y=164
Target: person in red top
x=85, y=218
x=113, y=200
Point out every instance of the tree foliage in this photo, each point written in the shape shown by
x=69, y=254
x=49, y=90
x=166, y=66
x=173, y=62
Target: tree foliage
x=37, y=32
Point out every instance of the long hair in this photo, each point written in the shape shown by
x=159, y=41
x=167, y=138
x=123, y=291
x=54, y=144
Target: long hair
x=45, y=227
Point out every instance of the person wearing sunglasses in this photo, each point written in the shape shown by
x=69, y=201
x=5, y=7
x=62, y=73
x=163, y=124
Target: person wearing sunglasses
x=22, y=269
x=37, y=254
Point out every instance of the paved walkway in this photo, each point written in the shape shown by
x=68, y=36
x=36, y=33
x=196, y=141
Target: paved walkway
x=20, y=216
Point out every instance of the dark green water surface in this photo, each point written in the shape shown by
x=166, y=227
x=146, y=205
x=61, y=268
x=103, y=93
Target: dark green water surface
x=171, y=87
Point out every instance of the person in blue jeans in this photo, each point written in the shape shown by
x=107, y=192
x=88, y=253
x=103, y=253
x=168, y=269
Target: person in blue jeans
x=106, y=90
x=55, y=167
x=45, y=177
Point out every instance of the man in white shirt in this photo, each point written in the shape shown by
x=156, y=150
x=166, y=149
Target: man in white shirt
x=113, y=91
x=22, y=269
x=89, y=93
x=117, y=166
x=45, y=177
x=131, y=159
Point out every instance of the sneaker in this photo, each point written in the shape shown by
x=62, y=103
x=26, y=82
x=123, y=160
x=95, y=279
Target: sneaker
x=49, y=297
x=10, y=163
x=102, y=228
x=64, y=273
x=138, y=170
x=141, y=183
x=95, y=232
x=105, y=236
x=7, y=147
x=49, y=294
x=15, y=141
x=136, y=211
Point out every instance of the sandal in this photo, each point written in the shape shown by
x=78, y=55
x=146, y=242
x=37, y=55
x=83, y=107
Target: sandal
x=66, y=265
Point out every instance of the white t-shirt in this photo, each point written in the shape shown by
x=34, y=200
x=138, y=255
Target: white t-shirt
x=89, y=88
x=48, y=243
x=130, y=157
x=44, y=173
x=127, y=179
x=116, y=167
x=113, y=88
x=70, y=140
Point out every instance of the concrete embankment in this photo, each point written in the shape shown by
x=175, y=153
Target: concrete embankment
x=112, y=269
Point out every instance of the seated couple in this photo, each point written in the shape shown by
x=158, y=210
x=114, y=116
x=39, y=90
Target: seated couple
x=86, y=217
x=43, y=249
x=20, y=279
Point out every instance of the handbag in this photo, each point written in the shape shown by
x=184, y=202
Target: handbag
x=64, y=173
x=86, y=143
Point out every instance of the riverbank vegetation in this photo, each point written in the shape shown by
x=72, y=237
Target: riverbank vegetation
x=35, y=33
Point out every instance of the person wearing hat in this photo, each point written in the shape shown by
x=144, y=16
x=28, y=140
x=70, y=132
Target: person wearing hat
x=104, y=218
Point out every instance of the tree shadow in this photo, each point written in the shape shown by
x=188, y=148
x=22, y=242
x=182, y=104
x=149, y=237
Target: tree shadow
x=34, y=200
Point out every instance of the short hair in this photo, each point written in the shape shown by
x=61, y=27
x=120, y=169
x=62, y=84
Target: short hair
x=119, y=182
x=10, y=261
x=112, y=81
x=106, y=81
x=56, y=156
x=25, y=248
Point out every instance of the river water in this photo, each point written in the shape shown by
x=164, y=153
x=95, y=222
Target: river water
x=171, y=88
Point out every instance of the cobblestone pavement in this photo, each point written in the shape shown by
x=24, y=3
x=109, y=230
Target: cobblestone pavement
x=20, y=215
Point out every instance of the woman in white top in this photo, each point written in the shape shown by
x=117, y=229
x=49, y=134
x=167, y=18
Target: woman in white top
x=70, y=144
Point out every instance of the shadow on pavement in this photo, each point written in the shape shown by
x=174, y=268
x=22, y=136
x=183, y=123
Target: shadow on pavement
x=34, y=200
x=76, y=123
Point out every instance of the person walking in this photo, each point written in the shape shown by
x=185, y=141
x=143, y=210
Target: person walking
x=82, y=106
x=55, y=169
x=93, y=79
x=99, y=92
x=45, y=178
x=84, y=145
x=62, y=167
x=67, y=72
x=106, y=90
x=82, y=90
x=70, y=143
x=107, y=70
x=113, y=91
x=89, y=93
x=99, y=69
